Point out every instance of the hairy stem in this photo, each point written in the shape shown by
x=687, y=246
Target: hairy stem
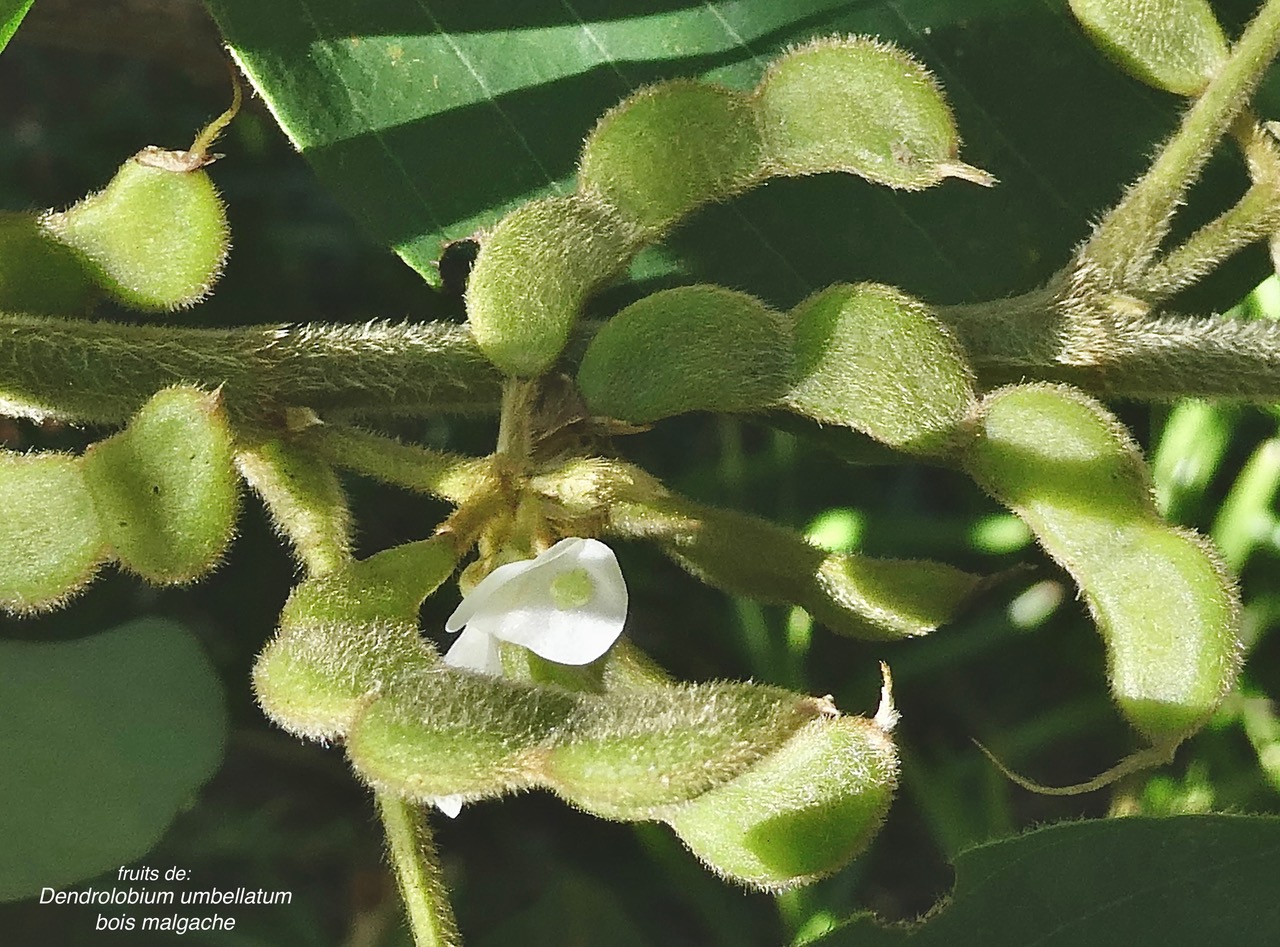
x=102, y=372
x=418, y=873
x=1157, y=359
x=1130, y=234
x=515, y=435
x=1255, y=216
x=451, y=477
x=304, y=500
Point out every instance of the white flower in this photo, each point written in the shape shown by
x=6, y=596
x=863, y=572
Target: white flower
x=568, y=605
x=449, y=805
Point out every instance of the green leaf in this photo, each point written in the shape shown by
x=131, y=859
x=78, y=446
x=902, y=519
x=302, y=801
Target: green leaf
x=431, y=120
x=1186, y=881
x=105, y=740
x=11, y=14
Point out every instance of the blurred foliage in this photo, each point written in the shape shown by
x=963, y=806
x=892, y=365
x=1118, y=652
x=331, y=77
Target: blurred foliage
x=1022, y=671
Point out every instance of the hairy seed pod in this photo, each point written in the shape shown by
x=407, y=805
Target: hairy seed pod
x=854, y=595
x=1167, y=611
x=37, y=273
x=799, y=814
x=693, y=348
x=447, y=732
x=534, y=272
x=873, y=359
x=165, y=487
x=627, y=754
x=156, y=237
x=623, y=666
x=1174, y=45
x=345, y=634
x=860, y=106
x=668, y=149
x=623, y=754
x=50, y=534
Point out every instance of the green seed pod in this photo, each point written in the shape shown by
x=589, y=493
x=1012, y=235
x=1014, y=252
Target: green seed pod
x=626, y=755
x=51, y=537
x=343, y=635
x=534, y=273
x=1175, y=45
x=875, y=360
x=874, y=599
x=156, y=237
x=622, y=666
x=799, y=814
x=314, y=678
x=1167, y=611
x=1170, y=664
x=165, y=487
x=1053, y=448
x=860, y=106
x=38, y=274
x=670, y=148
x=445, y=732
x=693, y=348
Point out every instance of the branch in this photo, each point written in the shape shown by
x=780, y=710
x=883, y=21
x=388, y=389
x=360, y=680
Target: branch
x=1157, y=359
x=1129, y=236
x=102, y=372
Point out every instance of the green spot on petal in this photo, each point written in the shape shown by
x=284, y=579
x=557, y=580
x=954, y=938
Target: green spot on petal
x=572, y=589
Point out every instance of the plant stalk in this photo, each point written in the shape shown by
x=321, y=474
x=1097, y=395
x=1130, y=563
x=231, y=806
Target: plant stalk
x=1130, y=235
x=451, y=477
x=418, y=872
x=102, y=372
x=1147, y=359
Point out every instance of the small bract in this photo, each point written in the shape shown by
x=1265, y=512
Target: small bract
x=568, y=605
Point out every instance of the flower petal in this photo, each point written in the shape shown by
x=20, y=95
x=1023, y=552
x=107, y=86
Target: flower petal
x=475, y=651
x=478, y=597
x=449, y=805
x=525, y=611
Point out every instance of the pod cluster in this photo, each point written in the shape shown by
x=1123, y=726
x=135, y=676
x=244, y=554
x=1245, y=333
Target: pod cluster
x=868, y=358
x=154, y=239
x=852, y=105
x=160, y=498
x=809, y=786
x=864, y=356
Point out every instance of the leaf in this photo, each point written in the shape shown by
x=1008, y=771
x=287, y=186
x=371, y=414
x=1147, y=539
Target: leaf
x=11, y=14
x=1185, y=881
x=430, y=120
x=105, y=740
x=571, y=908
